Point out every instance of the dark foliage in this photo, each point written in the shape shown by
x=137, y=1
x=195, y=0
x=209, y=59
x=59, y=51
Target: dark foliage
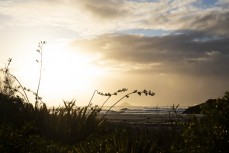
x=211, y=132
x=22, y=127
x=13, y=110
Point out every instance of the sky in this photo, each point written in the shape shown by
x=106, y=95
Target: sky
x=178, y=49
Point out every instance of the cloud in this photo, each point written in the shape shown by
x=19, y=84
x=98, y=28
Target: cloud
x=105, y=9
x=214, y=22
x=4, y=18
x=84, y=17
x=223, y=3
x=186, y=52
x=188, y=16
x=188, y=55
x=96, y=17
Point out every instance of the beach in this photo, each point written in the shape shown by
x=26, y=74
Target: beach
x=146, y=115
x=147, y=119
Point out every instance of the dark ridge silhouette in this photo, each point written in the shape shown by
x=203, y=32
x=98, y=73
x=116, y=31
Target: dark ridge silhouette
x=198, y=109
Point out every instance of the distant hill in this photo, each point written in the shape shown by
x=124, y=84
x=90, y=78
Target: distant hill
x=197, y=109
x=125, y=104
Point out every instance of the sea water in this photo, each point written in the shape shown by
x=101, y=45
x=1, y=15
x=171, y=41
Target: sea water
x=143, y=109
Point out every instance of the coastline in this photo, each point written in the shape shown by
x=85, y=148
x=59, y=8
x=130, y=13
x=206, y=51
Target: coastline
x=147, y=119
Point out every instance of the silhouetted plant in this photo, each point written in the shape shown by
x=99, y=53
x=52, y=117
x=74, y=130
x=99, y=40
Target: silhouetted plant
x=40, y=51
x=8, y=86
x=109, y=95
x=9, y=78
x=14, y=111
x=210, y=132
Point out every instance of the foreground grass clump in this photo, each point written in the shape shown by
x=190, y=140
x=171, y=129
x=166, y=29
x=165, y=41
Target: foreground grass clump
x=70, y=124
x=117, y=141
x=65, y=125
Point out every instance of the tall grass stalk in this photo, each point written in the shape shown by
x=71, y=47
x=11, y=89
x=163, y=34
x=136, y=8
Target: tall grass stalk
x=40, y=51
x=146, y=92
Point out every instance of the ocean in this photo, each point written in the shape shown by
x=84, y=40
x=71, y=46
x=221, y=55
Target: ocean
x=142, y=110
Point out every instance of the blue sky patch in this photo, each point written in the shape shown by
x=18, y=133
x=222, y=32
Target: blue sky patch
x=146, y=32
x=205, y=3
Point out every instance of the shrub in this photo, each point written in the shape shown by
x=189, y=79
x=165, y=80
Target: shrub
x=13, y=110
x=211, y=132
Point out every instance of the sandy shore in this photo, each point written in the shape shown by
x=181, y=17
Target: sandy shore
x=146, y=118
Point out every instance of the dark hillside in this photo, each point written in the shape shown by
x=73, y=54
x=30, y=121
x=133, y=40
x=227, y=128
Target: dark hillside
x=197, y=109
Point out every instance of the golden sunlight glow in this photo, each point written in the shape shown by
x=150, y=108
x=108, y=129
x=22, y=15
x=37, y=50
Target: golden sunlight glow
x=68, y=73
x=65, y=70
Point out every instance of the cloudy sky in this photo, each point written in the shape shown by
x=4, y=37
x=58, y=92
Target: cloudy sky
x=177, y=48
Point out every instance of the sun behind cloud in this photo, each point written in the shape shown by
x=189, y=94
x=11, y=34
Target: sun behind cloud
x=66, y=73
